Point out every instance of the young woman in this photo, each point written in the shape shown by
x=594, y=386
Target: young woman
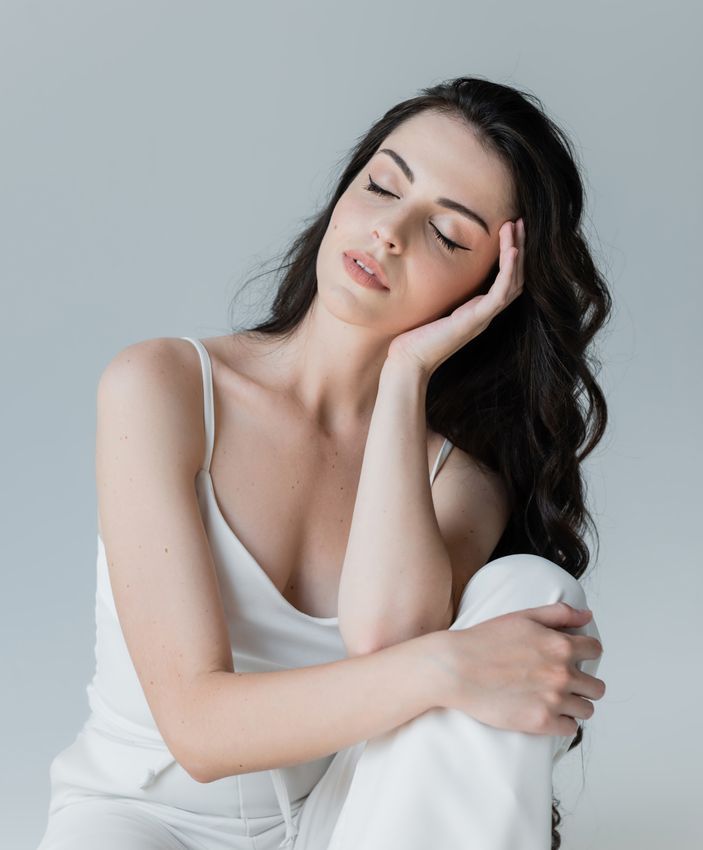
x=302, y=638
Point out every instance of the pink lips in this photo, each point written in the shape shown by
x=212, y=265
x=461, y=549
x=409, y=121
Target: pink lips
x=369, y=261
x=362, y=277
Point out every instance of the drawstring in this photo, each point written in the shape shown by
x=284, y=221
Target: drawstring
x=279, y=786
x=161, y=765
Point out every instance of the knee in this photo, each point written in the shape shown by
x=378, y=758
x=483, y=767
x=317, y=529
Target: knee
x=546, y=576
x=521, y=580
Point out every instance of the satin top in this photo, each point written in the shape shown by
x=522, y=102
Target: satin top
x=266, y=633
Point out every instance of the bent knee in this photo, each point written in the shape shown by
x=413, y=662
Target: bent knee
x=543, y=573
x=521, y=580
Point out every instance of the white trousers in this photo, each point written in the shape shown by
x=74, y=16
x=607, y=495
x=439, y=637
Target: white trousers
x=441, y=781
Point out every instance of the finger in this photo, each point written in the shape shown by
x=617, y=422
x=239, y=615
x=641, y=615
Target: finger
x=521, y=255
x=557, y=615
x=577, y=707
x=518, y=241
x=515, y=258
x=499, y=295
x=585, y=647
x=587, y=686
x=504, y=288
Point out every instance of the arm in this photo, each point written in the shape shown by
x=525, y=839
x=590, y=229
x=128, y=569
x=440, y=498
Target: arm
x=396, y=577
x=216, y=722
x=241, y=722
x=412, y=549
x=398, y=572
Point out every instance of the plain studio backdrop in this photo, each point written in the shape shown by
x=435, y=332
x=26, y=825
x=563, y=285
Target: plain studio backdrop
x=154, y=154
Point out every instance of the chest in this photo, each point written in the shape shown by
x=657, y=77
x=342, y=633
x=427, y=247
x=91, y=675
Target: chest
x=288, y=495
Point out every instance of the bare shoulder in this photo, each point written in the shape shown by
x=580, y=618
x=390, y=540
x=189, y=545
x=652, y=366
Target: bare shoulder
x=473, y=508
x=158, y=380
x=152, y=363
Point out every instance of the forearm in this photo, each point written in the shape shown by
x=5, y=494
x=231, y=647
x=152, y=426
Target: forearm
x=242, y=722
x=396, y=578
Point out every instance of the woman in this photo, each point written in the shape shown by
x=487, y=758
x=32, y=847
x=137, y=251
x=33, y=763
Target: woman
x=303, y=640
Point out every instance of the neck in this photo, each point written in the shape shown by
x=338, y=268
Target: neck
x=331, y=369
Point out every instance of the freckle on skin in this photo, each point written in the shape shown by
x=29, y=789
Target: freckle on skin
x=166, y=549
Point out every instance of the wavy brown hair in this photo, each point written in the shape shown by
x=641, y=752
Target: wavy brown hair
x=521, y=397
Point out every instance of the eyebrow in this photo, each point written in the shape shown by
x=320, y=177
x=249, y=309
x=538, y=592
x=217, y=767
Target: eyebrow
x=443, y=202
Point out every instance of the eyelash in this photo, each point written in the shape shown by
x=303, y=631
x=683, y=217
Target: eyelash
x=448, y=244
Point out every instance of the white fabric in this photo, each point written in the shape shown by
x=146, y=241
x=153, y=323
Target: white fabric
x=445, y=780
x=442, y=780
x=120, y=751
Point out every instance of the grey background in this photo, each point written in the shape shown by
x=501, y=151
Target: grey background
x=153, y=153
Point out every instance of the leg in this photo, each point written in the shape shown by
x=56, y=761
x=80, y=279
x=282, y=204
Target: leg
x=107, y=824
x=445, y=779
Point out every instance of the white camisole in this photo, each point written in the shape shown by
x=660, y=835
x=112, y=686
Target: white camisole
x=266, y=633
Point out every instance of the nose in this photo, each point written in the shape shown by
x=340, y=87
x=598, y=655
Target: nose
x=388, y=233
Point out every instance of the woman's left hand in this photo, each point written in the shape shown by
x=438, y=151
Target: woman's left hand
x=430, y=345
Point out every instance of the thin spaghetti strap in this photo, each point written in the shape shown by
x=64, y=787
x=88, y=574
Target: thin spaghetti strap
x=208, y=399
x=447, y=446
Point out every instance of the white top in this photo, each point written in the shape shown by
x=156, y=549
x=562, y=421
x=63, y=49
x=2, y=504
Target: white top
x=266, y=633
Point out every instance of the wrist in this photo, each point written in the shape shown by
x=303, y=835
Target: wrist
x=438, y=672
x=405, y=371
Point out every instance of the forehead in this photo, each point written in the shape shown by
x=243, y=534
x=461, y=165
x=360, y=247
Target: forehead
x=447, y=159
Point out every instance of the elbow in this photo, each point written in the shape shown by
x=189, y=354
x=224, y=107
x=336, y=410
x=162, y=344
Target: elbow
x=202, y=762
x=365, y=645
x=187, y=745
x=363, y=640
x=205, y=773
x=192, y=737
x=353, y=651
x=197, y=772
x=193, y=764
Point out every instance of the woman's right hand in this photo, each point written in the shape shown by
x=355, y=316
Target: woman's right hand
x=518, y=671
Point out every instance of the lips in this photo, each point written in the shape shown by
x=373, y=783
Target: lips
x=369, y=262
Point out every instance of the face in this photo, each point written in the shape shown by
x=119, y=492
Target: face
x=398, y=222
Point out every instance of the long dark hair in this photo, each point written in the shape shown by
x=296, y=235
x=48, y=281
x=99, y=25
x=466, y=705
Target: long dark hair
x=521, y=397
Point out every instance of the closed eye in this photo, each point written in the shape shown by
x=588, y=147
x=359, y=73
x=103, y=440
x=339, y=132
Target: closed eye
x=448, y=244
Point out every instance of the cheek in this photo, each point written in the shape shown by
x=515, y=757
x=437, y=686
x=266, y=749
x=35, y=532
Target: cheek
x=440, y=290
x=348, y=206
x=477, y=276
x=435, y=287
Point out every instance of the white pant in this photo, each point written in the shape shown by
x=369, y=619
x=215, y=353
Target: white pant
x=442, y=781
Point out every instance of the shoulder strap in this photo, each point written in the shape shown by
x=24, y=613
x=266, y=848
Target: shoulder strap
x=447, y=446
x=208, y=399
